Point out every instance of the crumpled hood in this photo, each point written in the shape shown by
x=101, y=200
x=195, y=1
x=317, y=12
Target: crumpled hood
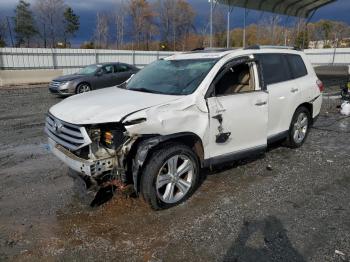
x=106, y=105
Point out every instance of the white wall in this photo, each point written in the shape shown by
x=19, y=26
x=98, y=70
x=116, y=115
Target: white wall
x=325, y=56
x=70, y=60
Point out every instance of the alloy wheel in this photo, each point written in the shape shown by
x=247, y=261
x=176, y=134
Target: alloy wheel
x=175, y=179
x=300, y=128
x=84, y=88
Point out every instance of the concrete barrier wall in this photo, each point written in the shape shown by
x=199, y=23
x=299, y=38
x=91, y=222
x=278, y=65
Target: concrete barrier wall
x=18, y=77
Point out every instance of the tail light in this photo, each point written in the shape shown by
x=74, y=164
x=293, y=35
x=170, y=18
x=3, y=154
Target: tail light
x=320, y=85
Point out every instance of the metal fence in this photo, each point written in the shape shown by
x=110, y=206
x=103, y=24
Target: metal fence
x=70, y=60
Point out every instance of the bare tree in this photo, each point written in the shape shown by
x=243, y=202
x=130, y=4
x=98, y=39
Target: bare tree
x=101, y=30
x=340, y=30
x=120, y=23
x=142, y=23
x=50, y=20
x=219, y=26
x=175, y=22
x=167, y=14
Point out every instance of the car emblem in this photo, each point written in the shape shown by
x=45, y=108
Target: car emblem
x=57, y=126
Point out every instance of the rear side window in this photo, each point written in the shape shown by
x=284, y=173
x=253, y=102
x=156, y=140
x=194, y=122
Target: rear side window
x=297, y=66
x=275, y=68
x=122, y=68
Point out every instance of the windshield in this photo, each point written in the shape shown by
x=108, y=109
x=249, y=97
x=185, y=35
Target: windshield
x=91, y=69
x=172, y=77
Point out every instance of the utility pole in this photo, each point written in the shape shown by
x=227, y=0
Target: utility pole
x=211, y=24
x=230, y=9
x=174, y=27
x=10, y=31
x=285, y=32
x=45, y=44
x=258, y=29
x=244, y=25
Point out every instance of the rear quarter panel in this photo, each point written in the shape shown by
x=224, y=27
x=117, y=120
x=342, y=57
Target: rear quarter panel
x=311, y=91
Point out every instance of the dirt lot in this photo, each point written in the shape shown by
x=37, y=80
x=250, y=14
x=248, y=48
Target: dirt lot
x=298, y=211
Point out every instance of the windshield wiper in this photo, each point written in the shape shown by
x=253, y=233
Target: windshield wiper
x=146, y=90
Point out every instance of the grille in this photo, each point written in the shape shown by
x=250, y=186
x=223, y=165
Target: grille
x=70, y=136
x=54, y=91
x=55, y=84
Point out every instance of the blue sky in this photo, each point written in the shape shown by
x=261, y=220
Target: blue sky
x=86, y=9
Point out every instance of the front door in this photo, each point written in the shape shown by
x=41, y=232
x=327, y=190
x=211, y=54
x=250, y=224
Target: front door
x=238, y=111
x=106, y=78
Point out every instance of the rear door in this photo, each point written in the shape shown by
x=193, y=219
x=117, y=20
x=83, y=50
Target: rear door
x=123, y=73
x=283, y=91
x=238, y=111
x=306, y=82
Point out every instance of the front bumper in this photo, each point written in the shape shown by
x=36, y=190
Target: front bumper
x=87, y=167
x=57, y=89
x=62, y=92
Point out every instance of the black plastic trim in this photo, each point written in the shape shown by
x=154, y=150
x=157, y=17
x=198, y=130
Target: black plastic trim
x=277, y=137
x=234, y=156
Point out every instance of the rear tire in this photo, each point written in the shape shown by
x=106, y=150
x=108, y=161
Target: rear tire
x=170, y=176
x=299, y=127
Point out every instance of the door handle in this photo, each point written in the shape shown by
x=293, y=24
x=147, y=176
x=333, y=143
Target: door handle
x=260, y=103
x=294, y=90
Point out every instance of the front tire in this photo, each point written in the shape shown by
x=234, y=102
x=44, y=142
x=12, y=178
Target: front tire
x=170, y=176
x=299, y=127
x=83, y=88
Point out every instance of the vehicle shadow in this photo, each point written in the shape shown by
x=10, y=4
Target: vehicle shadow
x=274, y=245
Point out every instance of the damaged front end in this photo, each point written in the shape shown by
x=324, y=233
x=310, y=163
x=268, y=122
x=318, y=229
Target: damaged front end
x=96, y=152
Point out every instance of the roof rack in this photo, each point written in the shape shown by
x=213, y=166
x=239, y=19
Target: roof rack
x=272, y=47
x=212, y=49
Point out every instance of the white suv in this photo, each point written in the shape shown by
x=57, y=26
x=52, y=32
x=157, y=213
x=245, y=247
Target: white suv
x=183, y=113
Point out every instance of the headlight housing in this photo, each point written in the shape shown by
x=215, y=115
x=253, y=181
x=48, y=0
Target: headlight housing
x=64, y=85
x=110, y=136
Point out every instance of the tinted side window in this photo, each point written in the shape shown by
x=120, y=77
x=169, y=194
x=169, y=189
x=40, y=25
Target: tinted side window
x=297, y=65
x=107, y=69
x=123, y=68
x=275, y=68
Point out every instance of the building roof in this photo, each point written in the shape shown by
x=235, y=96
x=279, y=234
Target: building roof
x=298, y=8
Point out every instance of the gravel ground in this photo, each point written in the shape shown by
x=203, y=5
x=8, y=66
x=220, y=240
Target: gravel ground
x=297, y=210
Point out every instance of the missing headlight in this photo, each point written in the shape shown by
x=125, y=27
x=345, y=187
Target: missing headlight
x=113, y=137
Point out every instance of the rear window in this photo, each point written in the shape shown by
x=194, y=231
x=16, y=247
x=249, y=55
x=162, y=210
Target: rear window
x=275, y=68
x=297, y=66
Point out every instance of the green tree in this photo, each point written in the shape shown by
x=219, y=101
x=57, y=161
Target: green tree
x=24, y=23
x=302, y=39
x=326, y=28
x=71, y=24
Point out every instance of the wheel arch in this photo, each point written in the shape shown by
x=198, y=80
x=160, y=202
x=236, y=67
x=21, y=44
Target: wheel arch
x=80, y=83
x=309, y=107
x=143, y=148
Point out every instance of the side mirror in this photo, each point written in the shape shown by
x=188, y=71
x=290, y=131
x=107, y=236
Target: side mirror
x=99, y=73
